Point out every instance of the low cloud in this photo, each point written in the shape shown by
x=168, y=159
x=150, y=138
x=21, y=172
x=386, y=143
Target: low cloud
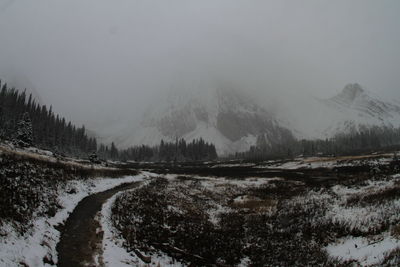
x=100, y=62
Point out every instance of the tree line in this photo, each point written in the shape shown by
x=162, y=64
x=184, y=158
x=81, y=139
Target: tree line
x=25, y=122
x=180, y=150
x=366, y=139
x=21, y=116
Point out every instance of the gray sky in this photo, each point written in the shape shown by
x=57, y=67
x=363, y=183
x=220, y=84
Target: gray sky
x=102, y=60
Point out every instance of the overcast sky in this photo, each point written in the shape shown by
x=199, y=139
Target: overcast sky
x=102, y=60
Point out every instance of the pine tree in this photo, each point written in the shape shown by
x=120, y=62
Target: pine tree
x=24, y=135
x=113, y=152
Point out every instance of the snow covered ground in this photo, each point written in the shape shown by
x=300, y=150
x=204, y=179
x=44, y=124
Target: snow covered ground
x=114, y=254
x=329, y=162
x=346, y=208
x=371, y=249
x=367, y=251
x=40, y=242
x=345, y=204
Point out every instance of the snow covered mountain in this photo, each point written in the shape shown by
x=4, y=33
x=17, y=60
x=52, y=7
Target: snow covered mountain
x=355, y=98
x=352, y=109
x=229, y=119
x=361, y=109
x=232, y=120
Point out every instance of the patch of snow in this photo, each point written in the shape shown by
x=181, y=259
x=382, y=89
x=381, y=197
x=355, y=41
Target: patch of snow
x=245, y=198
x=40, y=151
x=244, y=262
x=113, y=252
x=215, y=211
x=329, y=162
x=366, y=251
x=364, y=218
x=370, y=187
x=359, y=217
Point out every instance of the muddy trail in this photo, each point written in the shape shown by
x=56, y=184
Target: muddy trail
x=80, y=239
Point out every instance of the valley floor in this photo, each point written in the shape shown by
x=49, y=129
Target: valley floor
x=257, y=221
x=319, y=211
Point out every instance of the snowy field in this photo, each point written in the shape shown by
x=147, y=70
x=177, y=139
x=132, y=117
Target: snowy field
x=256, y=220
x=330, y=162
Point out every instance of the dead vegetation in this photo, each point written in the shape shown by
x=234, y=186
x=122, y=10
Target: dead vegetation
x=396, y=231
x=255, y=204
x=29, y=185
x=374, y=198
x=214, y=221
x=392, y=259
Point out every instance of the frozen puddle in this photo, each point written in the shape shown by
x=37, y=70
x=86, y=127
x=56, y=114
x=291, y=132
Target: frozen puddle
x=366, y=251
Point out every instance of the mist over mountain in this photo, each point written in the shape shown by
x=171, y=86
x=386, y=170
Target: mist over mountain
x=100, y=63
x=228, y=118
x=103, y=64
x=233, y=119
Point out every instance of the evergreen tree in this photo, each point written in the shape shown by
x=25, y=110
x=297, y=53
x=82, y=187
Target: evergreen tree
x=24, y=133
x=113, y=151
x=49, y=131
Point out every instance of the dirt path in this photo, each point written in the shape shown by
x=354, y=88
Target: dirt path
x=80, y=240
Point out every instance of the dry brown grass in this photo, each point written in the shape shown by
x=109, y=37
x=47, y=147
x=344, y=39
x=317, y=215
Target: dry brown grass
x=256, y=205
x=327, y=159
x=69, y=165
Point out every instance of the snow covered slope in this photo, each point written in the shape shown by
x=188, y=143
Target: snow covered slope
x=229, y=119
x=354, y=108
x=360, y=108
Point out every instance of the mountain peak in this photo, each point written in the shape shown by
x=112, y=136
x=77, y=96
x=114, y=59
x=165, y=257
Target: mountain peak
x=361, y=108
x=351, y=91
